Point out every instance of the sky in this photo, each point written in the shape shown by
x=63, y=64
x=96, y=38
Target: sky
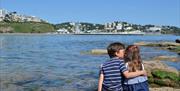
x=157, y=12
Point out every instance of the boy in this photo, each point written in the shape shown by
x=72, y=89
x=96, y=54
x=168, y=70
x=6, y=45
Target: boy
x=113, y=71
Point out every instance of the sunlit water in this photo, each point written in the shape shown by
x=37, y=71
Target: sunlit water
x=56, y=63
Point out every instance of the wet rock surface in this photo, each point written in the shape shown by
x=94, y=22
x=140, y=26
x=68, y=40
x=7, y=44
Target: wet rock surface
x=167, y=58
x=164, y=89
x=159, y=74
x=177, y=40
x=171, y=46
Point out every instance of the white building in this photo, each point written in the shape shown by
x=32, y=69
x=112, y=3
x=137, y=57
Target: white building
x=2, y=14
x=35, y=19
x=154, y=29
x=128, y=28
x=119, y=26
x=110, y=26
x=18, y=17
x=63, y=31
x=24, y=18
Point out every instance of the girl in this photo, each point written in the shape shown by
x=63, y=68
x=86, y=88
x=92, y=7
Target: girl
x=134, y=63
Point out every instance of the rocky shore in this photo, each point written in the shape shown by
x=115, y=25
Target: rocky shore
x=171, y=46
x=161, y=77
x=164, y=89
x=167, y=58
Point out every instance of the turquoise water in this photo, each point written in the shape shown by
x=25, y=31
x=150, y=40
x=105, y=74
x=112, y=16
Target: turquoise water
x=55, y=62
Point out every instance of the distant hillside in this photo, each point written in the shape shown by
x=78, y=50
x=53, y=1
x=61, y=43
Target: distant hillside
x=84, y=26
x=13, y=22
x=171, y=30
x=25, y=27
x=117, y=26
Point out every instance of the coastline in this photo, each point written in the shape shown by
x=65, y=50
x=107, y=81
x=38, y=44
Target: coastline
x=120, y=33
x=83, y=34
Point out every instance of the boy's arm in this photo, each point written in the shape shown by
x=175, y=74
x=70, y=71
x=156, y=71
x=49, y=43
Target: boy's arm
x=128, y=74
x=101, y=78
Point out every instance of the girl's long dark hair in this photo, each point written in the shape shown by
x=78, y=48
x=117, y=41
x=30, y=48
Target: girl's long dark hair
x=133, y=58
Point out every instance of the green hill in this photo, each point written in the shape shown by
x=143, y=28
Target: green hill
x=25, y=27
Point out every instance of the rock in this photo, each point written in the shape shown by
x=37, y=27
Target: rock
x=99, y=51
x=96, y=52
x=160, y=74
x=165, y=74
x=153, y=65
x=157, y=44
x=177, y=40
x=141, y=43
x=172, y=46
x=164, y=89
x=6, y=29
x=167, y=58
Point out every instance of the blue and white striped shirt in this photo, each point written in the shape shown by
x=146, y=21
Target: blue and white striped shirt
x=113, y=74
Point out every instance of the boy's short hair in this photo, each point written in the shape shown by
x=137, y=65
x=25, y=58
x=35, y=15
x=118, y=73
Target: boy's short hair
x=113, y=48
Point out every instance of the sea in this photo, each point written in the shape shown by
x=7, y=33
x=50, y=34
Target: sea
x=52, y=62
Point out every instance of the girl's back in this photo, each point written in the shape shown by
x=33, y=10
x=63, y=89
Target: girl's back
x=134, y=63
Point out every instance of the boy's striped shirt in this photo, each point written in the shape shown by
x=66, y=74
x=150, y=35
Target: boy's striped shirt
x=113, y=74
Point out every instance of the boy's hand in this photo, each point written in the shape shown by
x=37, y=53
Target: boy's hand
x=144, y=73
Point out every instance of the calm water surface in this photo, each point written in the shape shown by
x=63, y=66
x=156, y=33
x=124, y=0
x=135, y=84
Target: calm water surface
x=55, y=62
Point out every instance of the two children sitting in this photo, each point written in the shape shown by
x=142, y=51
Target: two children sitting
x=124, y=71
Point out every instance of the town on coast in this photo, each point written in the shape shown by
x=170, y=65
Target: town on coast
x=13, y=22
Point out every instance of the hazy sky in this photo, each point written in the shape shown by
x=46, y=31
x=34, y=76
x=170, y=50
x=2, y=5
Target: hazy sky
x=158, y=12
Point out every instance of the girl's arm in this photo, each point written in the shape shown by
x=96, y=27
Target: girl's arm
x=101, y=78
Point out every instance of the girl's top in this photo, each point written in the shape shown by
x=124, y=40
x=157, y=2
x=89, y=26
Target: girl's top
x=138, y=79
